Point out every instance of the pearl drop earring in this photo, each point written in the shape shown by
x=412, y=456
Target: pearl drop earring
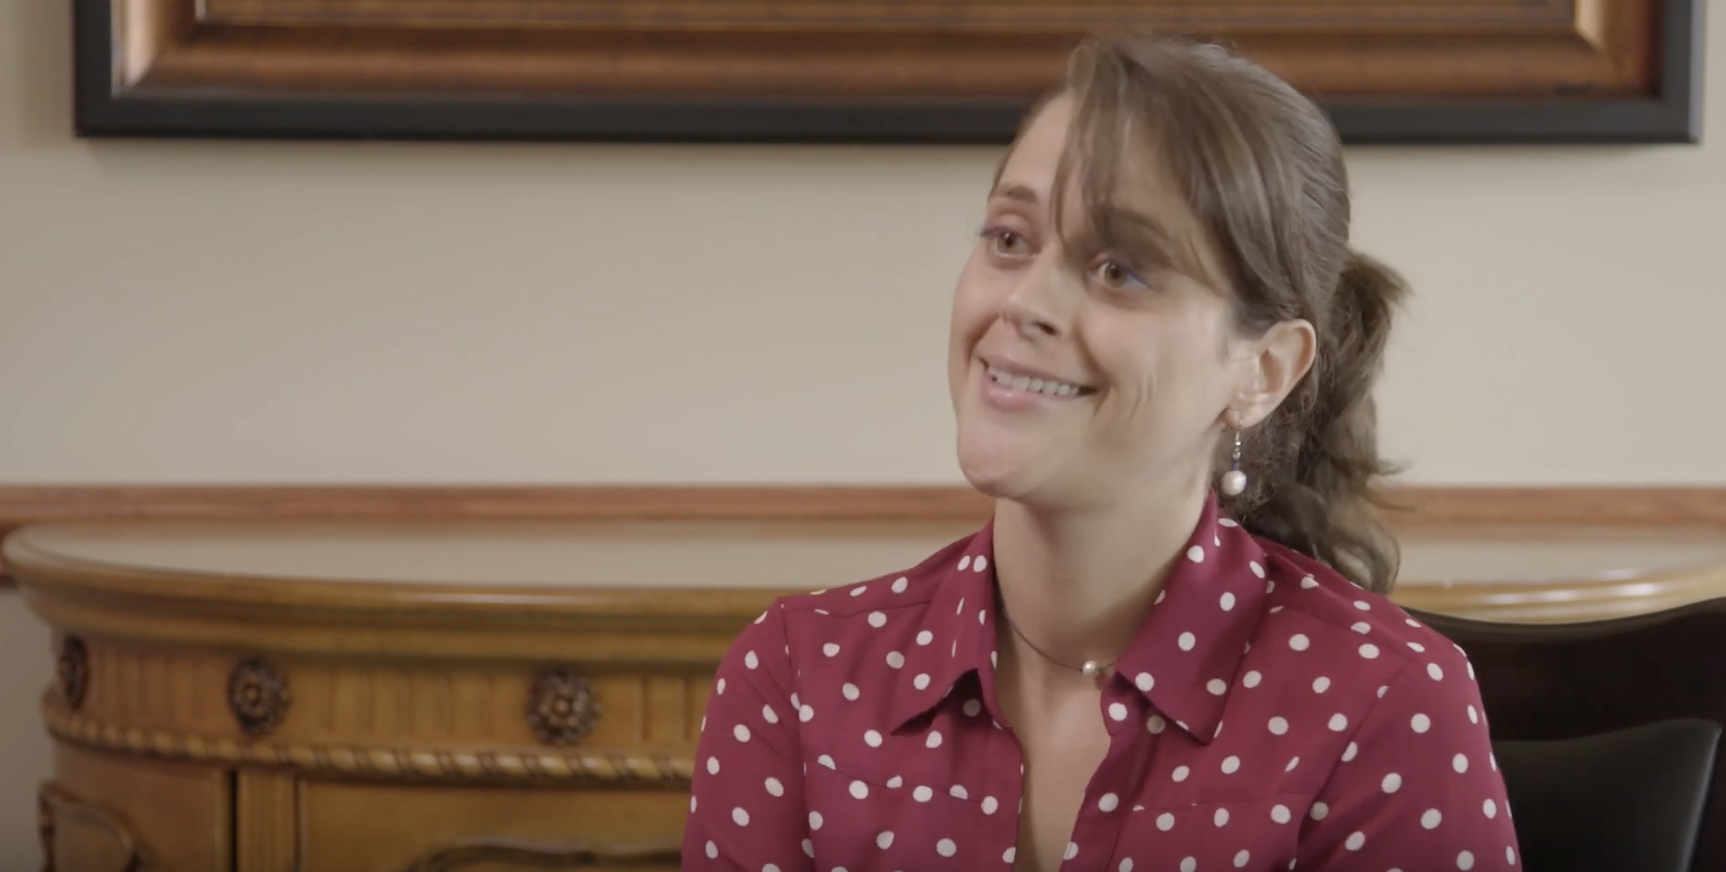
x=1235, y=481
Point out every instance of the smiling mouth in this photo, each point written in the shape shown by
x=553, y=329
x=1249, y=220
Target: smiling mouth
x=1034, y=385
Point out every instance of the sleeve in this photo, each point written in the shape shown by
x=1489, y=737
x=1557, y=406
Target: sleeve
x=1419, y=788
x=746, y=805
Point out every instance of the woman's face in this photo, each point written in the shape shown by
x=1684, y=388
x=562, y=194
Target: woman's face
x=1082, y=376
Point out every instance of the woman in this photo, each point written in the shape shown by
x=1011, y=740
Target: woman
x=1168, y=649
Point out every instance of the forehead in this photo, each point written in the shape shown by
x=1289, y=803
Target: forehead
x=1146, y=185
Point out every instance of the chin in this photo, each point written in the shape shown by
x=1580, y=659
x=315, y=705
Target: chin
x=998, y=470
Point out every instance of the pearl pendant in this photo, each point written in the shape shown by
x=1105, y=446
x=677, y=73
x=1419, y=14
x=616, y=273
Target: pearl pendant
x=1234, y=481
x=1092, y=669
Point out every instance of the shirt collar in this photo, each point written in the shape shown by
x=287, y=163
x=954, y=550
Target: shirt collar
x=1183, y=658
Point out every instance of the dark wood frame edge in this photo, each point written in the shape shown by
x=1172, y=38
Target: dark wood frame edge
x=1674, y=117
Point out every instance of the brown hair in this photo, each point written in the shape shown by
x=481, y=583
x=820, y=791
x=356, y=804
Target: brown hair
x=1261, y=167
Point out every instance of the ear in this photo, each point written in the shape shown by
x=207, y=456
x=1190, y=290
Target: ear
x=1272, y=365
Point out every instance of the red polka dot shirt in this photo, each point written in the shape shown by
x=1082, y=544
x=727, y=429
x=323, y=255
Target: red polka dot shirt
x=1268, y=714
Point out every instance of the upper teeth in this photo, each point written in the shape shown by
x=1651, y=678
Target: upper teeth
x=1035, y=385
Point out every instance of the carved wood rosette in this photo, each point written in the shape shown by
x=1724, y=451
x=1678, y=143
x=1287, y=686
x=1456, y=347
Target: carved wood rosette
x=258, y=696
x=72, y=671
x=562, y=707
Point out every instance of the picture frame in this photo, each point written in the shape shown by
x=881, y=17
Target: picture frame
x=872, y=71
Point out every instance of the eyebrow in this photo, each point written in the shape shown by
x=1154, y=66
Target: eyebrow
x=1019, y=192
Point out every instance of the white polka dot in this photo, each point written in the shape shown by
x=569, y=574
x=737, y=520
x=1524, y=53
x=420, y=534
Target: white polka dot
x=1308, y=583
x=933, y=740
x=1241, y=858
x=965, y=562
x=831, y=649
x=1369, y=650
x=1109, y=802
x=1465, y=861
x=1493, y=759
x=1431, y=818
x=1411, y=622
x=1361, y=627
x=1279, y=726
x=1186, y=641
x=775, y=787
x=1144, y=682
x=1252, y=678
x=1117, y=711
x=925, y=637
x=826, y=761
x=1489, y=808
x=1270, y=586
x=946, y=848
x=872, y=739
x=859, y=790
x=815, y=820
x=1227, y=601
x=692, y=803
x=805, y=713
x=1381, y=691
x=1421, y=723
x=900, y=584
x=1231, y=764
x=1196, y=554
x=1126, y=865
x=981, y=564
x=809, y=848
x=1165, y=822
x=1180, y=773
x=921, y=681
x=750, y=660
x=740, y=817
x=1299, y=642
x=1418, y=648
x=1391, y=783
x=1473, y=716
x=721, y=688
x=1280, y=813
x=1349, y=752
x=1320, y=684
x=990, y=804
x=1319, y=810
x=741, y=732
x=895, y=660
x=1156, y=724
x=885, y=840
x=1338, y=723
x=1256, y=568
x=1216, y=687
x=877, y=620
x=1227, y=522
x=1221, y=818
x=1009, y=855
x=923, y=794
x=713, y=766
x=1189, y=864
x=972, y=708
x=982, y=618
x=1293, y=762
x=1072, y=851
x=895, y=781
x=1433, y=670
x=1510, y=855
x=1459, y=763
x=1355, y=840
x=958, y=791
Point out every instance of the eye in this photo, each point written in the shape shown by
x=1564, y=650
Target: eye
x=1006, y=242
x=1115, y=275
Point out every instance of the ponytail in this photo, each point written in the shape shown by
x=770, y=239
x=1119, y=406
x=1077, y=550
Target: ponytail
x=1314, y=488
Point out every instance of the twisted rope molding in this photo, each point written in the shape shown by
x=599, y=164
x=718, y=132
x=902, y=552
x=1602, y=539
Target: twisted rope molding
x=380, y=762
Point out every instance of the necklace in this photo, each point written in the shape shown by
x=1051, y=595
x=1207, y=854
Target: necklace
x=1090, y=669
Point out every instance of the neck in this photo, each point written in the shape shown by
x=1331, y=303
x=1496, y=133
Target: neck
x=1077, y=584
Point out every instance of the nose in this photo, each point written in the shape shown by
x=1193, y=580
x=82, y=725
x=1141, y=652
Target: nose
x=1036, y=307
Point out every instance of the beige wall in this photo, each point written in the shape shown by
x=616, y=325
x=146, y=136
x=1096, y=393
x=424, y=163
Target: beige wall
x=218, y=312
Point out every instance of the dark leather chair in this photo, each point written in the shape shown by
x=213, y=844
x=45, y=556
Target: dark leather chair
x=1553, y=682
x=1630, y=799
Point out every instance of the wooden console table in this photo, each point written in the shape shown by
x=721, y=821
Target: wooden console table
x=386, y=697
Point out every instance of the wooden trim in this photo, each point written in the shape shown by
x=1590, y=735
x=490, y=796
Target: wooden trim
x=1422, y=506
x=945, y=72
